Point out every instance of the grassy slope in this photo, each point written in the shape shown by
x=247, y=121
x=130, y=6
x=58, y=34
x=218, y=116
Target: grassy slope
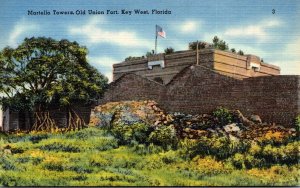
x=90, y=157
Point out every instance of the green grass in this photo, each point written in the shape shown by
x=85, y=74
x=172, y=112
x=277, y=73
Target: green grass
x=91, y=157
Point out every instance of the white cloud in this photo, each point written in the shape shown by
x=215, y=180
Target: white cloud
x=20, y=29
x=293, y=49
x=104, y=65
x=96, y=34
x=179, y=45
x=289, y=58
x=288, y=67
x=109, y=75
x=189, y=26
x=258, y=31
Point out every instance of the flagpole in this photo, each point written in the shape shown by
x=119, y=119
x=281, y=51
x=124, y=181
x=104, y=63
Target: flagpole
x=197, y=51
x=155, y=39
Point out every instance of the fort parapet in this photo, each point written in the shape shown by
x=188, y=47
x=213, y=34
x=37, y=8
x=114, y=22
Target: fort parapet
x=181, y=83
x=162, y=68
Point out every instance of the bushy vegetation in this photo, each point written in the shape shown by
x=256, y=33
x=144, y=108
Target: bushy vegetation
x=140, y=133
x=143, y=156
x=139, y=154
x=223, y=116
x=130, y=58
x=217, y=43
x=169, y=50
x=201, y=45
x=127, y=134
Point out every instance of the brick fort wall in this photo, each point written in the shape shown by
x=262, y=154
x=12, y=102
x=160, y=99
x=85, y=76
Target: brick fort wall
x=198, y=89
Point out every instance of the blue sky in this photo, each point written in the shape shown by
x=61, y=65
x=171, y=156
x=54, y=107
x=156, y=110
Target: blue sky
x=110, y=38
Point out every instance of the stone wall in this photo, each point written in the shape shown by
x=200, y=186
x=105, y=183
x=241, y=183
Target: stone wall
x=199, y=89
x=274, y=98
x=133, y=87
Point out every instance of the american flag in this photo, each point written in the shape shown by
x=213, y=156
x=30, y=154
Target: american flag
x=160, y=31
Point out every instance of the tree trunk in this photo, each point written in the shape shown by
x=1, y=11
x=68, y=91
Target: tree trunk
x=75, y=122
x=43, y=121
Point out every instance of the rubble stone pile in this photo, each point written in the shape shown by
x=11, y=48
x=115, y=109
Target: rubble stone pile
x=186, y=125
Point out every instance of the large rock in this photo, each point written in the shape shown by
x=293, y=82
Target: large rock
x=231, y=128
x=255, y=119
x=240, y=118
x=128, y=112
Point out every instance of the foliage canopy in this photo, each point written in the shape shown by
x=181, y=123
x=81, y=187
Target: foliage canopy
x=43, y=70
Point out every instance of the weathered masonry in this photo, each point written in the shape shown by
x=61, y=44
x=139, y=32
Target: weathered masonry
x=185, y=82
x=165, y=67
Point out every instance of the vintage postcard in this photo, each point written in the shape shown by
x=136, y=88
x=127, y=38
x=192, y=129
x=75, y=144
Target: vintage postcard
x=149, y=93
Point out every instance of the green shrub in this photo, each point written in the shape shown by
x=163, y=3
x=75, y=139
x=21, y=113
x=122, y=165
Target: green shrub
x=100, y=161
x=207, y=166
x=127, y=134
x=23, y=159
x=38, y=138
x=17, y=138
x=86, y=133
x=164, y=136
x=143, y=149
x=223, y=116
x=252, y=162
x=169, y=50
x=238, y=161
x=80, y=177
x=80, y=169
x=220, y=147
x=130, y=58
x=151, y=163
x=16, y=150
x=288, y=154
x=188, y=148
x=59, y=147
x=8, y=163
x=122, y=161
x=55, y=167
x=246, y=161
x=107, y=144
x=34, y=138
x=169, y=157
x=193, y=45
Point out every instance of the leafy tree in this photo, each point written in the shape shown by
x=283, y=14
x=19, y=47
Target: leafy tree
x=219, y=44
x=216, y=40
x=233, y=50
x=42, y=71
x=240, y=52
x=169, y=50
x=201, y=45
x=149, y=54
